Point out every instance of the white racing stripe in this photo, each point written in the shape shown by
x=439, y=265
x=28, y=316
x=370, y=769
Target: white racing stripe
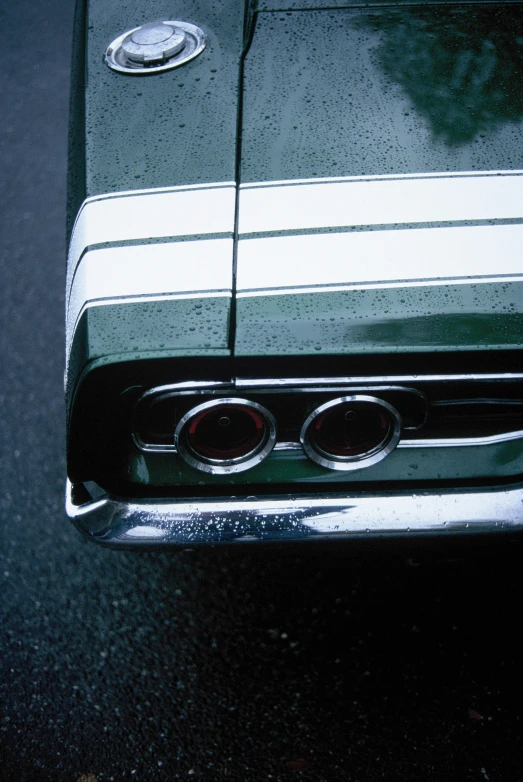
x=379, y=257
x=379, y=201
x=197, y=210
x=167, y=270
x=141, y=270
x=281, y=263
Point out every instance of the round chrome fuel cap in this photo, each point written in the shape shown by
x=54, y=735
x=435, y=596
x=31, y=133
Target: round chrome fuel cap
x=154, y=47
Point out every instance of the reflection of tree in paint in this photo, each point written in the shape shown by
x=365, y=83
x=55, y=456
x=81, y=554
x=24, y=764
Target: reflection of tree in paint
x=461, y=67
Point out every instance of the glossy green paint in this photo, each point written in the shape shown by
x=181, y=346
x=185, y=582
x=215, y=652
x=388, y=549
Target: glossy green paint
x=293, y=5
x=161, y=130
x=164, y=129
x=133, y=331
x=325, y=93
x=447, y=317
x=316, y=5
x=364, y=92
x=331, y=93
x=177, y=325
x=352, y=92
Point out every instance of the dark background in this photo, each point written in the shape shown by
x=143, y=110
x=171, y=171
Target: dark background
x=314, y=663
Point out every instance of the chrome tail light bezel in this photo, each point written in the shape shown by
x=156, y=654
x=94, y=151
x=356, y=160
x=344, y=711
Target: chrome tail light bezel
x=225, y=466
x=365, y=459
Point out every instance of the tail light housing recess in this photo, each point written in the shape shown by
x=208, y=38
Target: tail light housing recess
x=216, y=430
x=158, y=412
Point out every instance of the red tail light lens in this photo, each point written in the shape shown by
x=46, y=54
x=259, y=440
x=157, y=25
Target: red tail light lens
x=225, y=435
x=351, y=432
x=226, y=432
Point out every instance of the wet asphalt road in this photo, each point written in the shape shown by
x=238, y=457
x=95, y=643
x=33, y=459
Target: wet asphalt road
x=283, y=664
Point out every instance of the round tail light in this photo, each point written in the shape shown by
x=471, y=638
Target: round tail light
x=225, y=435
x=351, y=432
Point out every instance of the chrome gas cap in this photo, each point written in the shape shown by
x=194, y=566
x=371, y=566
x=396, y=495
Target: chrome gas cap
x=156, y=46
x=154, y=43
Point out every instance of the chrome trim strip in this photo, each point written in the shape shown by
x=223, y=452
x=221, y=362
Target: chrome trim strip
x=244, y=383
x=186, y=385
x=454, y=442
x=288, y=446
x=321, y=385
x=146, y=448
x=448, y=442
x=385, y=258
x=324, y=204
x=150, y=524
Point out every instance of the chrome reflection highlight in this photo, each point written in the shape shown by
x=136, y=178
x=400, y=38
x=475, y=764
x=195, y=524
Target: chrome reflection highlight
x=351, y=432
x=157, y=524
x=155, y=47
x=225, y=436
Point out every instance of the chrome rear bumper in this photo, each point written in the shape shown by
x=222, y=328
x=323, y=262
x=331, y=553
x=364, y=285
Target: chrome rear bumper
x=158, y=524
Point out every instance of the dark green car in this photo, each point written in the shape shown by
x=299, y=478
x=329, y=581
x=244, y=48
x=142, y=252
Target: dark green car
x=295, y=275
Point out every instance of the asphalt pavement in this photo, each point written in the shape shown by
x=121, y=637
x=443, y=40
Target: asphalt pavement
x=320, y=663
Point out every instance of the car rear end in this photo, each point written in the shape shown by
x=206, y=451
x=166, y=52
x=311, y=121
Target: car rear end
x=294, y=281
